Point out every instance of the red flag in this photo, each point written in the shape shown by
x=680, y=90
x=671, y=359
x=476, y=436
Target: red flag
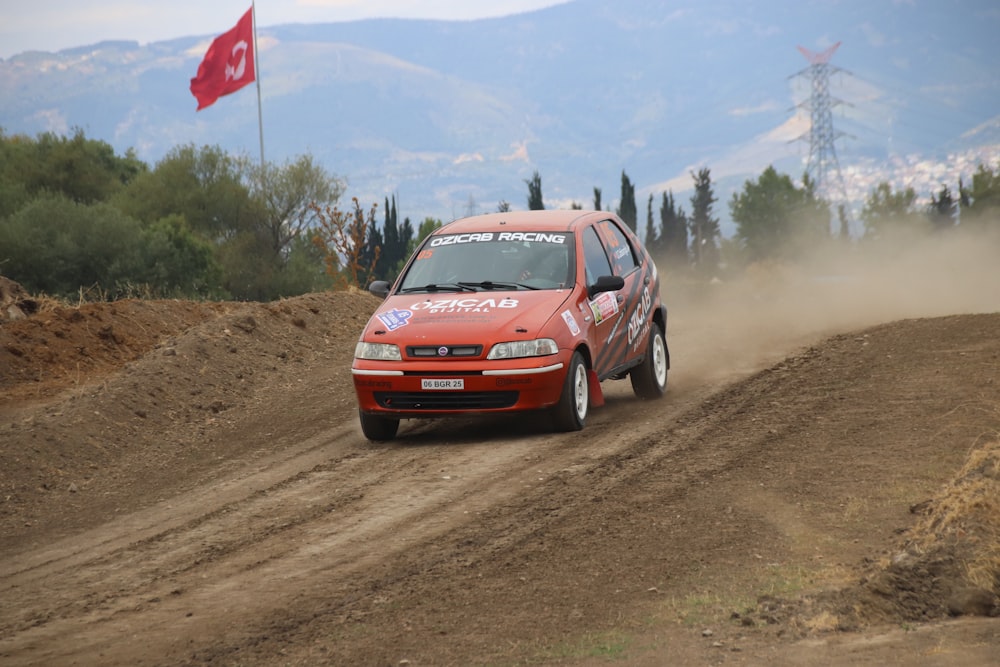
x=228, y=64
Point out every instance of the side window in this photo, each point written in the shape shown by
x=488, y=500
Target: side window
x=622, y=254
x=596, y=259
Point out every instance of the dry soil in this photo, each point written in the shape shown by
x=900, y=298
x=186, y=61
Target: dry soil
x=185, y=483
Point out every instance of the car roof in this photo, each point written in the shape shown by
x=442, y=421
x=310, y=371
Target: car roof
x=541, y=221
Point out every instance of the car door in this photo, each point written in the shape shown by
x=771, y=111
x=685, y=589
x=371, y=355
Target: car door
x=608, y=251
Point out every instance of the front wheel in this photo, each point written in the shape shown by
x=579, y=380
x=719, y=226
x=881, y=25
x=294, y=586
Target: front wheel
x=378, y=428
x=649, y=379
x=570, y=413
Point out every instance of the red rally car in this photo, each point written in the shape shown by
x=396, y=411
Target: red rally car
x=511, y=312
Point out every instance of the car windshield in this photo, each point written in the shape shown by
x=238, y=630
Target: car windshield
x=492, y=261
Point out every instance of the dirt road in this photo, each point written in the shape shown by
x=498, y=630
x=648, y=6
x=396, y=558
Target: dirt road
x=186, y=484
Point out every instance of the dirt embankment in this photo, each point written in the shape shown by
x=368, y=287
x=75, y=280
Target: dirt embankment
x=185, y=483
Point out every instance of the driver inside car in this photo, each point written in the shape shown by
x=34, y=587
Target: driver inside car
x=547, y=263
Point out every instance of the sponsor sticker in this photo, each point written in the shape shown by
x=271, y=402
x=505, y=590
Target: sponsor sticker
x=463, y=305
x=537, y=237
x=570, y=321
x=604, y=306
x=453, y=239
x=484, y=237
x=638, y=322
x=395, y=318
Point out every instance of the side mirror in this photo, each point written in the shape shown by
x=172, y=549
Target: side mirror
x=380, y=288
x=605, y=284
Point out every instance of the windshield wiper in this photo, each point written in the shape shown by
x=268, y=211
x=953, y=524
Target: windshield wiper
x=490, y=284
x=439, y=287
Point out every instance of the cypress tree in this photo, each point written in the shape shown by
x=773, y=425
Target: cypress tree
x=535, y=193
x=627, y=210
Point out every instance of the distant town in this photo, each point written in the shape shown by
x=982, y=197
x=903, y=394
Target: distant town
x=925, y=175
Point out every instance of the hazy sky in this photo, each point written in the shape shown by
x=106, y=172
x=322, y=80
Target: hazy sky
x=52, y=25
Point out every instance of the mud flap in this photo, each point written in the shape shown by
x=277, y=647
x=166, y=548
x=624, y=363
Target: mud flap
x=594, y=389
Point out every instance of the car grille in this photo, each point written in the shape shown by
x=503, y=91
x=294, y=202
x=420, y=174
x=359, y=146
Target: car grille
x=452, y=400
x=450, y=351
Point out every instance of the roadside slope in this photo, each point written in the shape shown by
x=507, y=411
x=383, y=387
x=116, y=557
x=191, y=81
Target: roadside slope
x=282, y=535
x=185, y=484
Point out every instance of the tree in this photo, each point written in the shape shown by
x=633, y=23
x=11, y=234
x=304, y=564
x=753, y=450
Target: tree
x=426, y=228
x=371, y=253
x=845, y=227
x=251, y=217
x=776, y=219
x=249, y=270
x=175, y=262
x=651, y=239
x=212, y=192
x=597, y=199
x=281, y=209
x=342, y=238
x=673, y=239
x=626, y=209
x=535, y=193
x=13, y=190
x=390, y=229
x=980, y=203
x=84, y=170
x=13, y=195
x=303, y=270
x=889, y=213
x=206, y=186
x=406, y=245
x=395, y=241
x=943, y=209
x=56, y=246
x=252, y=214
x=285, y=196
x=704, y=226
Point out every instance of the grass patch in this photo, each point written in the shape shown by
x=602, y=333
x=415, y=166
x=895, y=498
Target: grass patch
x=786, y=580
x=705, y=608
x=609, y=645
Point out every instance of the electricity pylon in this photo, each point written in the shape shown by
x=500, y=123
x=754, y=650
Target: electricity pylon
x=822, y=165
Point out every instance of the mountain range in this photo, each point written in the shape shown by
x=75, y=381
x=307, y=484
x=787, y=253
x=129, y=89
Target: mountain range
x=453, y=117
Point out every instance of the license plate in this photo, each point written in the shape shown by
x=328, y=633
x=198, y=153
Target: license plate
x=442, y=383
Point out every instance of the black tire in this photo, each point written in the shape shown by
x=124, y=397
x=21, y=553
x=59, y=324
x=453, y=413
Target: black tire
x=570, y=414
x=649, y=379
x=378, y=428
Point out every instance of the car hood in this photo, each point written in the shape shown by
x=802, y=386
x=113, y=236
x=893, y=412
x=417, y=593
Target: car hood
x=464, y=317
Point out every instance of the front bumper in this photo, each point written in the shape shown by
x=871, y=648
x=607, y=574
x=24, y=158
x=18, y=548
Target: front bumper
x=384, y=389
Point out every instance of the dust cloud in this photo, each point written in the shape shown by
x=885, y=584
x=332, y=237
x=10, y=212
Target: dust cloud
x=747, y=321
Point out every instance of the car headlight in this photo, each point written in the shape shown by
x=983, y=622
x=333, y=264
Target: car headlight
x=377, y=351
x=539, y=347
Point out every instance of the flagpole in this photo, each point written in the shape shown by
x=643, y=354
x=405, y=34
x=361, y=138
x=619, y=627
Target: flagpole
x=260, y=115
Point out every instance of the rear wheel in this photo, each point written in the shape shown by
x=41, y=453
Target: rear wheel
x=570, y=413
x=649, y=379
x=378, y=428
